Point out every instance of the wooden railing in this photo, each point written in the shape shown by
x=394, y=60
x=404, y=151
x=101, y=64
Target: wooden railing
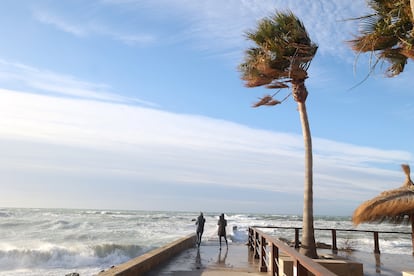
x=334, y=246
x=267, y=248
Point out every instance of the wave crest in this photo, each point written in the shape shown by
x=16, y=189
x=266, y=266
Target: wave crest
x=104, y=255
x=105, y=250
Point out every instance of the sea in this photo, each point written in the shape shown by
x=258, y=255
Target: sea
x=62, y=241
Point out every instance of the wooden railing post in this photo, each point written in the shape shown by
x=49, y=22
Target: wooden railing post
x=296, y=237
x=269, y=258
x=275, y=260
x=263, y=267
x=334, y=246
x=256, y=245
x=376, y=243
x=299, y=269
x=251, y=236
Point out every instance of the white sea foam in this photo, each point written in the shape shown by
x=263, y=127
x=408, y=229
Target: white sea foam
x=58, y=242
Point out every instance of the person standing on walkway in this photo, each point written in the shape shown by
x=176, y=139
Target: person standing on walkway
x=200, y=227
x=222, y=223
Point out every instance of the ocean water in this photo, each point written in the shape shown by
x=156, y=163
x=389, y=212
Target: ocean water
x=61, y=241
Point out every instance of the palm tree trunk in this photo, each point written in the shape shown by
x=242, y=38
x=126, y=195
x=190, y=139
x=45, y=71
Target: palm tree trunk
x=308, y=247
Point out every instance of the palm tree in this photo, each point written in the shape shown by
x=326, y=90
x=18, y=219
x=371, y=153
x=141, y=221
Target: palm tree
x=387, y=34
x=280, y=59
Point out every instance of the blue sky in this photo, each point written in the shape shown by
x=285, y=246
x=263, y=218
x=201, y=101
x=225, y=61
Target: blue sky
x=133, y=104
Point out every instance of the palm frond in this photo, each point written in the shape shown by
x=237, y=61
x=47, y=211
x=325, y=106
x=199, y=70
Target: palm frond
x=283, y=51
x=266, y=100
x=408, y=182
x=396, y=59
x=277, y=85
x=388, y=33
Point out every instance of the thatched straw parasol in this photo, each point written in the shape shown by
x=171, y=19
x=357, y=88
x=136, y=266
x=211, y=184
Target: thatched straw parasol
x=395, y=205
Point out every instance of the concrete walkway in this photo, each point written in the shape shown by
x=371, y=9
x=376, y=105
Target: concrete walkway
x=208, y=260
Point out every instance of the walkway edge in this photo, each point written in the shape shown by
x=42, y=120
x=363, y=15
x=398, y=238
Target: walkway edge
x=150, y=260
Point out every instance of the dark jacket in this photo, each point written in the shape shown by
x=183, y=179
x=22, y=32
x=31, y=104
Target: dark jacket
x=222, y=223
x=200, y=224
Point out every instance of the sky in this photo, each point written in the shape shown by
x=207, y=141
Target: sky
x=139, y=105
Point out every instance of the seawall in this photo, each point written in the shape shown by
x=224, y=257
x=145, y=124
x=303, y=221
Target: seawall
x=152, y=259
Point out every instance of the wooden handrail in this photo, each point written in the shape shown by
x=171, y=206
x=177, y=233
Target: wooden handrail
x=269, y=262
x=337, y=229
x=334, y=238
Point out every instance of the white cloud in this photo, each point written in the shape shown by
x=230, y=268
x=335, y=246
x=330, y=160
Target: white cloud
x=60, y=23
x=88, y=27
x=219, y=25
x=213, y=26
x=134, y=39
x=69, y=138
x=14, y=74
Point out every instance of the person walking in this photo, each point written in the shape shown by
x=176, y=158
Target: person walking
x=222, y=223
x=200, y=227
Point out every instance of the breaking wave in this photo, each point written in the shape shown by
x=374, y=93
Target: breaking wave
x=104, y=255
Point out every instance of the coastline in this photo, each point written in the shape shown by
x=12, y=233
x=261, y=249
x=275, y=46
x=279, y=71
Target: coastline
x=87, y=241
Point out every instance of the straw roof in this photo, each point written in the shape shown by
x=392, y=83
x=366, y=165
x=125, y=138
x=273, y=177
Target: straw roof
x=395, y=205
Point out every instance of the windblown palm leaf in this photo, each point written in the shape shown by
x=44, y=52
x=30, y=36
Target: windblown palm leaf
x=387, y=33
x=283, y=53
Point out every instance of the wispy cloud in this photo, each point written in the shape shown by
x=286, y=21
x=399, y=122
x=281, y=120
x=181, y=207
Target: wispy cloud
x=134, y=39
x=60, y=23
x=212, y=26
x=219, y=26
x=88, y=27
x=151, y=146
x=21, y=76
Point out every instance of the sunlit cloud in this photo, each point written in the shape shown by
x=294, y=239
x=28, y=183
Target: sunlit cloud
x=60, y=23
x=59, y=130
x=134, y=39
x=37, y=80
x=117, y=141
x=219, y=26
x=214, y=26
x=92, y=28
